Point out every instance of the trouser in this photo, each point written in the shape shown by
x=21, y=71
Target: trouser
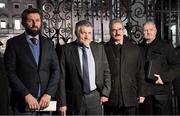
x=108, y=110
x=156, y=105
x=91, y=104
x=176, y=86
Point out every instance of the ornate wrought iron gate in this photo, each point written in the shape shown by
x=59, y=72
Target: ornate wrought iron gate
x=60, y=17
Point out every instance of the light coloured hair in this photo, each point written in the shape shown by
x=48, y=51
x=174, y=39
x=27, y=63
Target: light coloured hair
x=149, y=22
x=113, y=21
x=80, y=24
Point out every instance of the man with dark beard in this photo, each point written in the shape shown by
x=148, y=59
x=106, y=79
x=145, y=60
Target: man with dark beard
x=32, y=66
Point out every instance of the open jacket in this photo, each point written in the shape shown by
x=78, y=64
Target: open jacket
x=25, y=75
x=70, y=91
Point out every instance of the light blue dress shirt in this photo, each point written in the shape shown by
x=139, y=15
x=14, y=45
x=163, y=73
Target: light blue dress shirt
x=91, y=64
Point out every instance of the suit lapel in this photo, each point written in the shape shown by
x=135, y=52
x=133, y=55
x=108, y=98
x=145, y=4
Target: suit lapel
x=124, y=54
x=27, y=49
x=42, y=50
x=113, y=51
x=76, y=57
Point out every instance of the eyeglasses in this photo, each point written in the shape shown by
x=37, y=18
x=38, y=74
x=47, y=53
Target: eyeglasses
x=119, y=29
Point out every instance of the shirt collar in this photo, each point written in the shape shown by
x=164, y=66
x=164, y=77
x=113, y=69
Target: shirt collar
x=116, y=43
x=29, y=36
x=81, y=45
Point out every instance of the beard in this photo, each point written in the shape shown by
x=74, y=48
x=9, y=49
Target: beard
x=32, y=32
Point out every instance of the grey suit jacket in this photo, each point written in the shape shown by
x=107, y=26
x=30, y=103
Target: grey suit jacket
x=71, y=82
x=23, y=72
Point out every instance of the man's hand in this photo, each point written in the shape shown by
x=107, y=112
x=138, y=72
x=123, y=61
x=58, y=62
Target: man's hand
x=32, y=102
x=63, y=110
x=141, y=99
x=44, y=102
x=159, y=80
x=104, y=99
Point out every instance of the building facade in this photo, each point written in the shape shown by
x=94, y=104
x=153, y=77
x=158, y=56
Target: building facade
x=10, y=18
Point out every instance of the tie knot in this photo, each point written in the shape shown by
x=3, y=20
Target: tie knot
x=34, y=41
x=84, y=48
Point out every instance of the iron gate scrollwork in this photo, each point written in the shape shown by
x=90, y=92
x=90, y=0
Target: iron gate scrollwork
x=57, y=20
x=60, y=17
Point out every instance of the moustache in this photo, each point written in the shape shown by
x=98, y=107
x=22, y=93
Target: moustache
x=34, y=27
x=117, y=35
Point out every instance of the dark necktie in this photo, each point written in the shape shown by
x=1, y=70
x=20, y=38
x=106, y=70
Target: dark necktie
x=34, y=41
x=85, y=71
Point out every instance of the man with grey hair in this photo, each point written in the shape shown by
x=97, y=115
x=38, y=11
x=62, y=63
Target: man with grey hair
x=161, y=66
x=84, y=74
x=127, y=72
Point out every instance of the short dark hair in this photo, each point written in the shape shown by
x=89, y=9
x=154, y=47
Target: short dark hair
x=27, y=12
x=80, y=24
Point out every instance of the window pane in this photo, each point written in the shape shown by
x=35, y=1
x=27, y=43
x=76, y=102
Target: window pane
x=3, y=24
x=30, y=5
x=16, y=6
x=2, y=5
x=17, y=24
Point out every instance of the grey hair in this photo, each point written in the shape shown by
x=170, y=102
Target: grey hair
x=80, y=24
x=113, y=21
x=149, y=22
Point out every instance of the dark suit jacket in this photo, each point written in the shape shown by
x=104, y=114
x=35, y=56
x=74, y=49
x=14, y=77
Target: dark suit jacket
x=131, y=73
x=71, y=82
x=4, y=97
x=23, y=72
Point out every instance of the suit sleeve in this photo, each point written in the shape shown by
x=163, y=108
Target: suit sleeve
x=54, y=69
x=10, y=65
x=173, y=64
x=140, y=76
x=107, y=75
x=61, y=94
